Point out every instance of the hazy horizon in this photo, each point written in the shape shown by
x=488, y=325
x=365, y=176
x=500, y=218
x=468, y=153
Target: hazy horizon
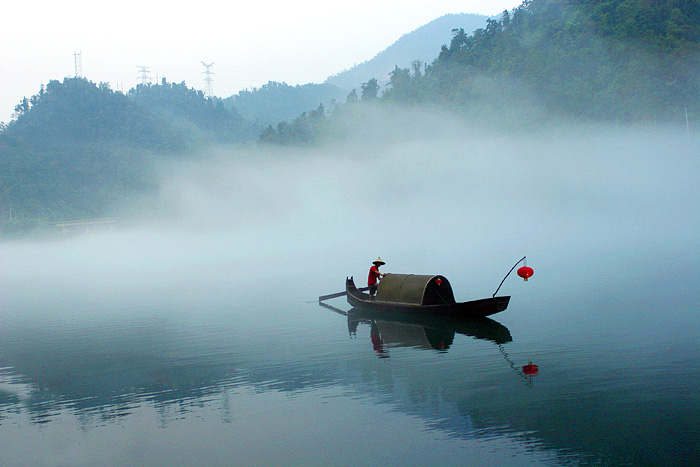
x=427, y=192
x=248, y=46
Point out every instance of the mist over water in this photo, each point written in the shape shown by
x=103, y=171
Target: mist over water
x=438, y=196
x=607, y=216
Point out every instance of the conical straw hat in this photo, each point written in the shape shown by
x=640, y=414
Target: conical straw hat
x=378, y=261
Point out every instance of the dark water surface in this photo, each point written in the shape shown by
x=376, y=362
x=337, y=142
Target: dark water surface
x=210, y=376
x=189, y=346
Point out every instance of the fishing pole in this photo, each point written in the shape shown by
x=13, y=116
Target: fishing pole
x=511, y=270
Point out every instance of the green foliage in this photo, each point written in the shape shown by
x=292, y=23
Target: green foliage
x=301, y=131
x=612, y=59
x=78, y=110
x=80, y=150
x=589, y=59
x=421, y=45
x=352, y=97
x=404, y=86
x=275, y=102
x=77, y=149
x=68, y=181
x=370, y=89
x=199, y=119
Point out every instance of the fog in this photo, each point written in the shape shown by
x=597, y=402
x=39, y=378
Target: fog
x=191, y=329
x=428, y=193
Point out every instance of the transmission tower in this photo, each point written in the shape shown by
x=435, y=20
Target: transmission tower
x=208, y=80
x=145, y=78
x=78, y=61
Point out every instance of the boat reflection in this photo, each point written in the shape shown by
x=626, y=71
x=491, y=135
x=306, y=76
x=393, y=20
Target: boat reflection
x=112, y=368
x=424, y=332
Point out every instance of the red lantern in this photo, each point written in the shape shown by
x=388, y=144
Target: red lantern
x=525, y=272
x=530, y=369
x=438, y=281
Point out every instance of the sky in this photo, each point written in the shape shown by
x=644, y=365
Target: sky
x=249, y=43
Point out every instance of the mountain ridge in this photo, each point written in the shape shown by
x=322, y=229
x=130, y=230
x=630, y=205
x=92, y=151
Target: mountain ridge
x=422, y=44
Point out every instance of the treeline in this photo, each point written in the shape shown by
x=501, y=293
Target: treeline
x=309, y=126
x=77, y=110
x=603, y=59
x=274, y=102
x=79, y=150
x=198, y=119
x=613, y=60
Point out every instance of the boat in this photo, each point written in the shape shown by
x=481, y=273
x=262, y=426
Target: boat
x=421, y=294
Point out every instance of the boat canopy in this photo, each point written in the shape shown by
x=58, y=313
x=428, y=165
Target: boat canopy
x=415, y=290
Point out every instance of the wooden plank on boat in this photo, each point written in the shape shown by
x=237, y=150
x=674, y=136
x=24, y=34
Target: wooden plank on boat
x=474, y=308
x=339, y=294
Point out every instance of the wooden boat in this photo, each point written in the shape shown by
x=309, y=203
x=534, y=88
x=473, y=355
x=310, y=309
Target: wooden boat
x=411, y=293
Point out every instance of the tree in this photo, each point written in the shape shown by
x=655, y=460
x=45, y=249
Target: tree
x=400, y=84
x=370, y=89
x=611, y=59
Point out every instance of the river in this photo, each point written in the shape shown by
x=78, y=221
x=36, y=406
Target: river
x=177, y=345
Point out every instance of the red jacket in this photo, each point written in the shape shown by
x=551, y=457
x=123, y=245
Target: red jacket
x=374, y=274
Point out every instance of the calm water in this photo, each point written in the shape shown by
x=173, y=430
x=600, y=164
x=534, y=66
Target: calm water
x=190, y=348
x=206, y=375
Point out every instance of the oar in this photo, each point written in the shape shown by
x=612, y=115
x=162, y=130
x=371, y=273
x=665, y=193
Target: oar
x=329, y=296
x=338, y=294
x=332, y=308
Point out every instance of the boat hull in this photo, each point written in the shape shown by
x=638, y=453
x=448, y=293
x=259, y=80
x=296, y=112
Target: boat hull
x=474, y=308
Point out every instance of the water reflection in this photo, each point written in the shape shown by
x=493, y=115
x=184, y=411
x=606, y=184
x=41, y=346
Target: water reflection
x=421, y=331
x=429, y=332
x=462, y=379
x=103, y=371
x=106, y=370
x=113, y=329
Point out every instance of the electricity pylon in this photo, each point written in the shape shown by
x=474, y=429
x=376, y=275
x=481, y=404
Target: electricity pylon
x=208, y=80
x=145, y=79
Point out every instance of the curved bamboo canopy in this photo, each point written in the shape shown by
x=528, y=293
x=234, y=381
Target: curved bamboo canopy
x=415, y=289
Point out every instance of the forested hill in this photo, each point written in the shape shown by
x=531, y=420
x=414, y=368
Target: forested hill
x=421, y=45
x=77, y=150
x=77, y=110
x=610, y=59
x=274, y=102
x=164, y=116
x=201, y=120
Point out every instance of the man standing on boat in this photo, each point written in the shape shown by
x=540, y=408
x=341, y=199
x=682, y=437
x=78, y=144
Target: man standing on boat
x=374, y=277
